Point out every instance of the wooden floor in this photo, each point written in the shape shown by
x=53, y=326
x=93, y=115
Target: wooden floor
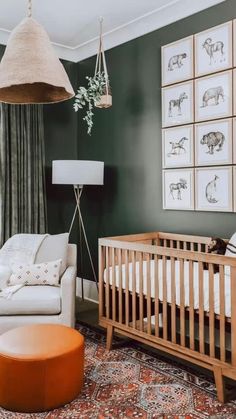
x=87, y=312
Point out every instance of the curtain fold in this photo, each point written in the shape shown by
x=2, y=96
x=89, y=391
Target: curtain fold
x=22, y=171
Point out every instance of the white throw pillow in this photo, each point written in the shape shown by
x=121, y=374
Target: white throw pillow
x=231, y=247
x=52, y=248
x=38, y=274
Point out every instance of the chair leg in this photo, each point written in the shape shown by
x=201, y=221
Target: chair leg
x=110, y=330
x=220, y=385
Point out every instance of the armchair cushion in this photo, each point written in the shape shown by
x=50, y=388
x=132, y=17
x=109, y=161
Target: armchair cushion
x=33, y=300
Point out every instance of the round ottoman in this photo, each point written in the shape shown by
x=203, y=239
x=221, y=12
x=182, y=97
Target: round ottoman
x=41, y=367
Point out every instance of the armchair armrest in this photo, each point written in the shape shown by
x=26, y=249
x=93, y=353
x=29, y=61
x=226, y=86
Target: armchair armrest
x=68, y=293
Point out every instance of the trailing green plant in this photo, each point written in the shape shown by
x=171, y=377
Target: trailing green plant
x=90, y=96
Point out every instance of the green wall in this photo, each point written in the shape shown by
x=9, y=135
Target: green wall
x=127, y=138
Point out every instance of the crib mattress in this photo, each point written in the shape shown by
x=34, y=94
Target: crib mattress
x=216, y=291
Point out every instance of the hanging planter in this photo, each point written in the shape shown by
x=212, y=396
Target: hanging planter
x=101, y=68
x=98, y=92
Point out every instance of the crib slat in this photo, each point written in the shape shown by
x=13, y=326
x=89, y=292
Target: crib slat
x=141, y=291
x=185, y=245
x=222, y=313
x=134, y=289
x=177, y=244
x=211, y=310
x=171, y=244
x=182, y=303
x=113, y=284
x=120, y=284
x=233, y=315
x=126, y=287
x=173, y=301
x=165, y=319
x=201, y=309
x=156, y=279
x=149, y=326
x=101, y=280
x=192, y=247
x=107, y=284
x=191, y=306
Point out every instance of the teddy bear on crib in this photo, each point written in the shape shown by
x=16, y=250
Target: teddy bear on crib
x=216, y=246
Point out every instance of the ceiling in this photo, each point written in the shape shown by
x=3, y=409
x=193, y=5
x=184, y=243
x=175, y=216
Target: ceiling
x=73, y=25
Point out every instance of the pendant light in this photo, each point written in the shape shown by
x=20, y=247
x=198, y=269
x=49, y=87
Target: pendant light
x=30, y=71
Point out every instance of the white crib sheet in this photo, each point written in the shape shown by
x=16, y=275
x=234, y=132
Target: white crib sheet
x=177, y=281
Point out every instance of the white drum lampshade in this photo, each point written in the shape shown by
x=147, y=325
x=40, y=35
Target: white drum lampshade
x=77, y=172
x=30, y=71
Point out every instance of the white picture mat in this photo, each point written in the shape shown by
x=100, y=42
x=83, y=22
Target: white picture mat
x=213, y=110
x=219, y=62
x=173, y=117
x=180, y=152
x=222, y=151
x=204, y=186
x=173, y=176
x=177, y=69
x=234, y=43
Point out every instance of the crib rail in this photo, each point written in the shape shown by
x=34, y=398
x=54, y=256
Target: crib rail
x=147, y=289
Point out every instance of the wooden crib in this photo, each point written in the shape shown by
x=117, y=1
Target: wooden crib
x=164, y=290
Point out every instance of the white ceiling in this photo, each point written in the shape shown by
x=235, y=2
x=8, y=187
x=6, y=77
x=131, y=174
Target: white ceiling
x=73, y=25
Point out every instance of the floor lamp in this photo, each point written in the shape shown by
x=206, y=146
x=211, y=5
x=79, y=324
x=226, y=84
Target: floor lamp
x=79, y=173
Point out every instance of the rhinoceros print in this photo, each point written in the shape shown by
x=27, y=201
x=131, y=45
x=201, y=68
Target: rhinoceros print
x=212, y=140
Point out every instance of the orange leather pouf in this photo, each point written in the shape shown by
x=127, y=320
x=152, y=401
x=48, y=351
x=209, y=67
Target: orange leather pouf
x=41, y=367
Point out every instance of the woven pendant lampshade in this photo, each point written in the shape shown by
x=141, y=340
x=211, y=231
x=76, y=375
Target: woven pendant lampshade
x=30, y=71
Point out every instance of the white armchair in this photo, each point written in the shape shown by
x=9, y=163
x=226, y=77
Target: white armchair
x=43, y=304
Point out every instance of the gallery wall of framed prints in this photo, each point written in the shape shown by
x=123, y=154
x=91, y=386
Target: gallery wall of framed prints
x=199, y=121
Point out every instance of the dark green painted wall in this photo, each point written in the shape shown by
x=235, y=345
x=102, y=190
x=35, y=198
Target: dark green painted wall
x=60, y=125
x=128, y=138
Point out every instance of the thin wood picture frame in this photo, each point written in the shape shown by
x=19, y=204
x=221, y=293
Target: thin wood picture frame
x=178, y=104
x=213, y=49
x=178, y=146
x=214, y=189
x=178, y=189
x=213, y=142
x=213, y=96
x=177, y=61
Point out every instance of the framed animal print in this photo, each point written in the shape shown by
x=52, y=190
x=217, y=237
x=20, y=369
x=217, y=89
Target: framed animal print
x=178, y=189
x=213, y=189
x=234, y=186
x=234, y=89
x=177, y=146
x=177, y=61
x=213, y=96
x=213, y=142
x=213, y=49
x=177, y=104
x=234, y=144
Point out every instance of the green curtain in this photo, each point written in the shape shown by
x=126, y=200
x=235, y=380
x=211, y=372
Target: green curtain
x=22, y=171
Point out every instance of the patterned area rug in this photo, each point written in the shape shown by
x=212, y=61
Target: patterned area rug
x=131, y=382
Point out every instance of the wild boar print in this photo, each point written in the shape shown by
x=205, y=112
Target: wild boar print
x=212, y=140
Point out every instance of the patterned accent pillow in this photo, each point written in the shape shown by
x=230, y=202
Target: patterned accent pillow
x=39, y=274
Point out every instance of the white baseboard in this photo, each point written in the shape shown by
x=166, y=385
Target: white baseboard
x=90, y=290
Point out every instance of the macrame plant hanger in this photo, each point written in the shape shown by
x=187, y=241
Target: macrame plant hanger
x=101, y=66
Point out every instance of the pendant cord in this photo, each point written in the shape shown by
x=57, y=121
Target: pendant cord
x=29, y=8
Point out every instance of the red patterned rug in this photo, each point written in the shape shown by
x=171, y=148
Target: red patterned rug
x=132, y=382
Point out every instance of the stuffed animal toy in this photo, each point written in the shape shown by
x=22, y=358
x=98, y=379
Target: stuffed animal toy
x=218, y=247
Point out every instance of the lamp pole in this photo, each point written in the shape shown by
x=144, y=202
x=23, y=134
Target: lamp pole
x=78, y=189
